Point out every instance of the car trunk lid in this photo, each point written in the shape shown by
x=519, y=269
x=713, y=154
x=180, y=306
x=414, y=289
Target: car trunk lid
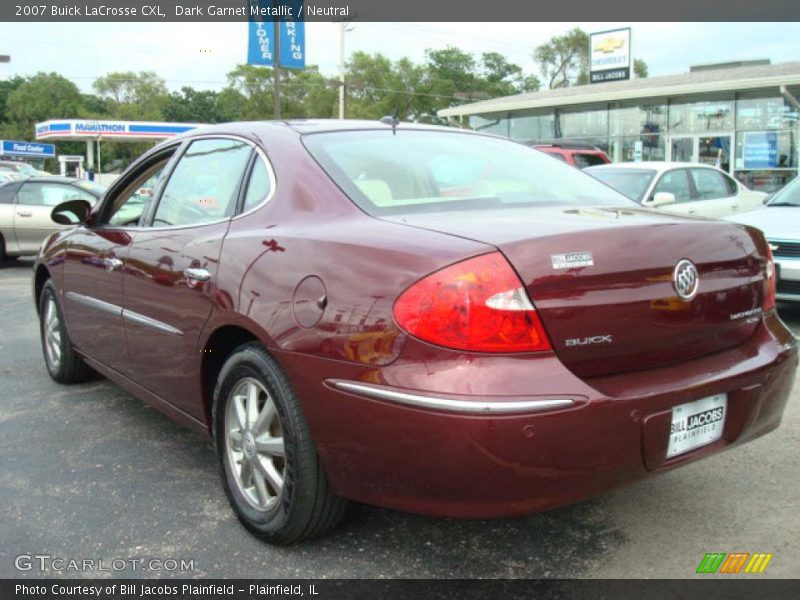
x=602, y=280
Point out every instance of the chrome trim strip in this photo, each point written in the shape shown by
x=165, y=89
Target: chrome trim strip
x=95, y=303
x=148, y=322
x=449, y=405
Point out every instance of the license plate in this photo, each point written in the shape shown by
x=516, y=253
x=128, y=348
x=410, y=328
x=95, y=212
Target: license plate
x=696, y=424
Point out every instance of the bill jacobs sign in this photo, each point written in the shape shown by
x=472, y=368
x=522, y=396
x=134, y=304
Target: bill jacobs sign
x=610, y=55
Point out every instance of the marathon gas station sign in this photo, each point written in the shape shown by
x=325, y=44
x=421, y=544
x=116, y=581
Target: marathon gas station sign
x=71, y=129
x=26, y=149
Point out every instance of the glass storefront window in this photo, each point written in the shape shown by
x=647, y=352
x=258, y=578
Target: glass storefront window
x=495, y=123
x=765, y=180
x=581, y=123
x=700, y=116
x=533, y=126
x=624, y=149
x=645, y=119
x=766, y=150
x=764, y=112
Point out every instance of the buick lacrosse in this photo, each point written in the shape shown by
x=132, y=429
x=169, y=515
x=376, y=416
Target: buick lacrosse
x=419, y=318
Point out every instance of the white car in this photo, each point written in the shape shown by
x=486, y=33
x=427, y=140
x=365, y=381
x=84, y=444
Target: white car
x=780, y=222
x=682, y=188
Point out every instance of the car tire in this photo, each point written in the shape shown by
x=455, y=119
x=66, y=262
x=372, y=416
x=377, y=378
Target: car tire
x=62, y=362
x=267, y=459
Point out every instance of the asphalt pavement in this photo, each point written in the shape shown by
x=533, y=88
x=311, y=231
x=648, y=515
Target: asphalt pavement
x=88, y=472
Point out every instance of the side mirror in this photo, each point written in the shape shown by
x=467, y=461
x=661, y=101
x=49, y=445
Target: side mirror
x=71, y=212
x=662, y=198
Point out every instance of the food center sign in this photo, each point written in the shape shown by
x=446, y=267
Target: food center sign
x=26, y=149
x=610, y=55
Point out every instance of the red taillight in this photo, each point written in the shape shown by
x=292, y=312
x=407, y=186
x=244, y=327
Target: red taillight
x=770, y=282
x=478, y=305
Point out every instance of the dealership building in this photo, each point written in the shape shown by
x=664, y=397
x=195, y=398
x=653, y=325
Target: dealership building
x=742, y=117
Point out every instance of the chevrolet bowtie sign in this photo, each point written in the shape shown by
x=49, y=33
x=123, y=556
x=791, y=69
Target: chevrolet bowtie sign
x=610, y=55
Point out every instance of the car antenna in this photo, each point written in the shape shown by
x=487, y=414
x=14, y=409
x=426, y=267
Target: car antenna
x=391, y=120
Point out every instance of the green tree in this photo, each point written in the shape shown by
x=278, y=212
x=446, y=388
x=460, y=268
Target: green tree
x=564, y=60
x=132, y=95
x=41, y=97
x=231, y=105
x=503, y=78
x=255, y=88
x=639, y=68
x=304, y=93
x=193, y=106
x=377, y=87
x=6, y=87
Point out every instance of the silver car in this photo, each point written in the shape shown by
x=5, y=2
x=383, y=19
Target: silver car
x=682, y=188
x=25, y=210
x=780, y=222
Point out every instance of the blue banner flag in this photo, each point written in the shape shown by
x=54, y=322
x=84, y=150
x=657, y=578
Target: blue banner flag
x=291, y=42
x=261, y=43
x=293, y=45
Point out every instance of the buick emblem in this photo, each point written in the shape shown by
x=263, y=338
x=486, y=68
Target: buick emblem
x=686, y=279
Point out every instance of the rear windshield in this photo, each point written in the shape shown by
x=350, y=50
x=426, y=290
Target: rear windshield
x=631, y=182
x=788, y=196
x=411, y=171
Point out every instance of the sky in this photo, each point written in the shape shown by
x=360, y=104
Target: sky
x=200, y=54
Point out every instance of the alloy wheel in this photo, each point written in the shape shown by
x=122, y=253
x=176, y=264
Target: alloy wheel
x=52, y=334
x=254, y=443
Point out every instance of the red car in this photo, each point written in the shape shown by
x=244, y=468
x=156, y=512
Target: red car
x=419, y=318
x=575, y=154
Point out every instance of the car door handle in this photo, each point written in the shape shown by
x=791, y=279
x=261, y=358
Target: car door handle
x=24, y=213
x=197, y=274
x=112, y=264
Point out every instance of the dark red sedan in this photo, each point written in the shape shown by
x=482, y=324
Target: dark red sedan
x=420, y=318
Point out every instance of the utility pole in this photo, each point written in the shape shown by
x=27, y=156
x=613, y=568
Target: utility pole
x=342, y=31
x=277, y=87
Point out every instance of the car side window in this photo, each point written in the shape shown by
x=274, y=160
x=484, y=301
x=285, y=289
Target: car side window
x=710, y=184
x=675, y=182
x=50, y=194
x=8, y=192
x=132, y=202
x=733, y=189
x=203, y=185
x=258, y=187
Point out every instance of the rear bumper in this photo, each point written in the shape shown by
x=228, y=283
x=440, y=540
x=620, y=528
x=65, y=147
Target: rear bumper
x=452, y=463
x=789, y=270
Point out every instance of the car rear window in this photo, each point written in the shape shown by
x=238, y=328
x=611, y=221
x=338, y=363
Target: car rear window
x=407, y=171
x=583, y=160
x=631, y=182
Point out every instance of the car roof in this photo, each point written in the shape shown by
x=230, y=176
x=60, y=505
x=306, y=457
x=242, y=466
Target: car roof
x=653, y=165
x=305, y=126
x=53, y=179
